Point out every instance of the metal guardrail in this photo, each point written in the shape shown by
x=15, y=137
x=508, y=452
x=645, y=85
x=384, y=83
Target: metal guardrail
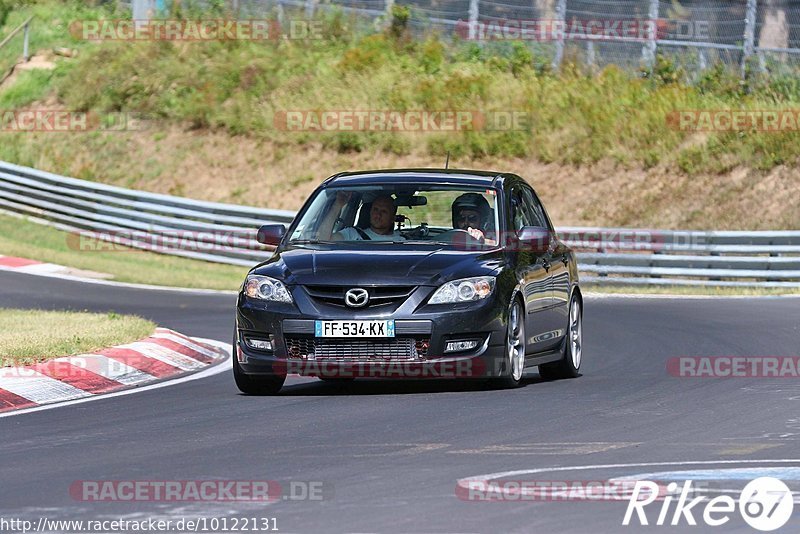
x=100, y=213
x=103, y=216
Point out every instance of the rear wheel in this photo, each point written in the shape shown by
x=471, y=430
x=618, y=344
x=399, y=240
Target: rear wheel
x=255, y=385
x=569, y=366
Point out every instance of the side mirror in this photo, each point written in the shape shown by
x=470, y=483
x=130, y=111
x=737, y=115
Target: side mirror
x=271, y=234
x=534, y=238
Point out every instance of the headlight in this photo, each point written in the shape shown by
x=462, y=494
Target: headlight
x=266, y=288
x=464, y=290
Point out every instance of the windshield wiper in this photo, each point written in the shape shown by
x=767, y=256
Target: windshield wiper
x=310, y=242
x=424, y=242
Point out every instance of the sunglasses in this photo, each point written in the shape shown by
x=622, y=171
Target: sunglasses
x=468, y=218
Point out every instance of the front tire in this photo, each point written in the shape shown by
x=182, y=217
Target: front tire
x=255, y=385
x=569, y=366
x=515, y=348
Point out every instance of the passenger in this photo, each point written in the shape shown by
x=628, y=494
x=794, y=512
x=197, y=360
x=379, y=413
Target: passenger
x=381, y=221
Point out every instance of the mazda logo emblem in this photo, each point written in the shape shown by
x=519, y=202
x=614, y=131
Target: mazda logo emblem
x=356, y=297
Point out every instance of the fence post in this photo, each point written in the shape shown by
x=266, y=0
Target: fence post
x=141, y=10
x=590, y=54
x=279, y=14
x=25, y=55
x=474, y=10
x=749, y=33
x=561, y=16
x=650, y=47
x=310, y=8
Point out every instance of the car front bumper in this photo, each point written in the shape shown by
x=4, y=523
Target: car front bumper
x=418, y=349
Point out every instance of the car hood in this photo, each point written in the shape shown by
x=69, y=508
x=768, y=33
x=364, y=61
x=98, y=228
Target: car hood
x=390, y=265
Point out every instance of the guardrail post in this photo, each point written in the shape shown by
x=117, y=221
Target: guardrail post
x=749, y=34
x=25, y=55
x=561, y=16
x=474, y=11
x=650, y=47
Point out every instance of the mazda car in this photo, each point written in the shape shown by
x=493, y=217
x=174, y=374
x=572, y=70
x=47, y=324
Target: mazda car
x=414, y=273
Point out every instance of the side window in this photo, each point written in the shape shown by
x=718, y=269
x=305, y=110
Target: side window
x=519, y=212
x=535, y=208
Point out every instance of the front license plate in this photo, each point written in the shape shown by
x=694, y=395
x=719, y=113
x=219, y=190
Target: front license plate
x=354, y=328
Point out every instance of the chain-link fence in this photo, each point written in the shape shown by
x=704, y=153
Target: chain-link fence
x=761, y=35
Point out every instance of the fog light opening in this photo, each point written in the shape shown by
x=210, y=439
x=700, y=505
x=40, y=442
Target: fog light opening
x=461, y=345
x=258, y=344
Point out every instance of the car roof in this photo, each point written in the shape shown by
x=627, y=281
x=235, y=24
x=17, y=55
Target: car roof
x=432, y=176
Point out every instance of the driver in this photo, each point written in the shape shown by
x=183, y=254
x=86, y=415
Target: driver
x=381, y=221
x=471, y=213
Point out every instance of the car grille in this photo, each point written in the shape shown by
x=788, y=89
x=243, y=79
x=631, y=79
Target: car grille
x=358, y=350
x=378, y=296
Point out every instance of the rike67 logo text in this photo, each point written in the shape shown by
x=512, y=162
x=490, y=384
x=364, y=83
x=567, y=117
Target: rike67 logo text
x=765, y=504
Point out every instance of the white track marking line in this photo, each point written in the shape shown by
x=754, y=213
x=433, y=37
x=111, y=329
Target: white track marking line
x=148, y=287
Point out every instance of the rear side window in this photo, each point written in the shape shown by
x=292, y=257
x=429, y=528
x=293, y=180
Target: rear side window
x=521, y=215
x=534, y=208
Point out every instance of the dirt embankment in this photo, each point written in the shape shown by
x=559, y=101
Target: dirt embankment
x=216, y=166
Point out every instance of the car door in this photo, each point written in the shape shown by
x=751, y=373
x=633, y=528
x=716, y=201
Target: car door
x=534, y=277
x=551, y=326
x=559, y=262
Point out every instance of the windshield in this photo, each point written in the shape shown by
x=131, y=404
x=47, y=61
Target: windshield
x=408, y=214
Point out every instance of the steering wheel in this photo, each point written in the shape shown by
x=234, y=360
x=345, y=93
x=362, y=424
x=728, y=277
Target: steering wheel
x=455, y=233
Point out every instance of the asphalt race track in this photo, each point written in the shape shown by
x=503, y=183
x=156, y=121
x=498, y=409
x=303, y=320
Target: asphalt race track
x=389, y=455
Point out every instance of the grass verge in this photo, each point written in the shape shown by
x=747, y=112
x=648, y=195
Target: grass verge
x=20, y=237
x=28, y=337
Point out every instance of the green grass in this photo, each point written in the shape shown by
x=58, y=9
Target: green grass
x=27, y=239
x=30, y=336
x=574, y=117
x=31, y=86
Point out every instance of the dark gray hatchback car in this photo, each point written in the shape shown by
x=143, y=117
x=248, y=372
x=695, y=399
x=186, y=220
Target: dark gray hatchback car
x=415, y=273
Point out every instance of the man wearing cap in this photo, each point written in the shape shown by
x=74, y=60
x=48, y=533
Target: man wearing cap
x=471, y=213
